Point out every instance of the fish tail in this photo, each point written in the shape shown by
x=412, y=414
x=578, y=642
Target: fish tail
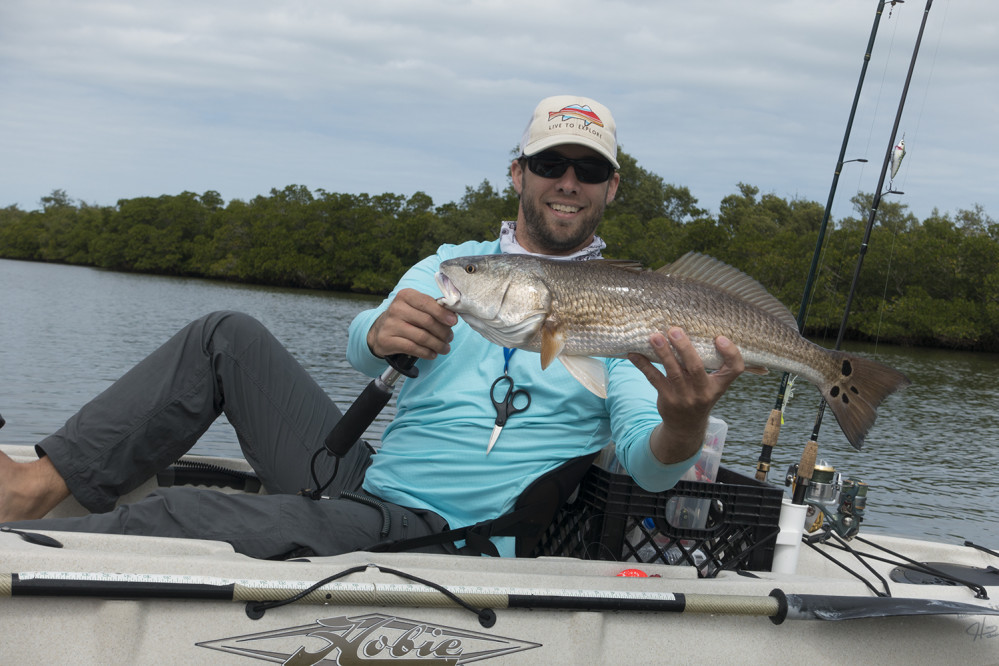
x=854, y=394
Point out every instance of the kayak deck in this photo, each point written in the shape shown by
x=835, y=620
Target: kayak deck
x=146, y=628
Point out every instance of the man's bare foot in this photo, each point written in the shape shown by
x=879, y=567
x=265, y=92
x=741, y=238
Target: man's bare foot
x=29, y=490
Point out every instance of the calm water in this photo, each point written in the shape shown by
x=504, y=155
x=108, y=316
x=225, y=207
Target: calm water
x=67, y=332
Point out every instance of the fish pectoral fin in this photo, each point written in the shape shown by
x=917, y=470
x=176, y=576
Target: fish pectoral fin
x=757, y=370
x=552, y=343
x=589, y=372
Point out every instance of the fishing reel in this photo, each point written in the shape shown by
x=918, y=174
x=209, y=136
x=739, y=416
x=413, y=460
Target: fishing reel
x=832, y=500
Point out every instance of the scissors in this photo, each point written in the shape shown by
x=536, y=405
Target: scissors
x=505, y=408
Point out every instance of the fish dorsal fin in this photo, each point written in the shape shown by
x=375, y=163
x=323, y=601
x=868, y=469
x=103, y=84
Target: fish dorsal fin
x=710, y=271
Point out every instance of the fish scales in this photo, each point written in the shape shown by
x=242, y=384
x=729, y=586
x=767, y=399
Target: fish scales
x=611, y=311
x=577, y=310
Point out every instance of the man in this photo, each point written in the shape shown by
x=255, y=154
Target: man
x=432, y=471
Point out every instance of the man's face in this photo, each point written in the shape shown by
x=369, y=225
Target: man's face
x=559, y=215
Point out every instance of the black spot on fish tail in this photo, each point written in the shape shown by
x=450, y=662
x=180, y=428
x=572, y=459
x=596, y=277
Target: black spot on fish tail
x=869, y=383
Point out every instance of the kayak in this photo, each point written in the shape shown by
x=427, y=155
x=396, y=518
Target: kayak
x=116, y=599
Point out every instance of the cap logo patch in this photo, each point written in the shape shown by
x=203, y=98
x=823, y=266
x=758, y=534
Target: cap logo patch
x=584, y=113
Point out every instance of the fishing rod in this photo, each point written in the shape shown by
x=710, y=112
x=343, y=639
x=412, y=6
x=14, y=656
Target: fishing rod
x=368, y=405
x=778, y=605
x=772, y=430
x=362, y=412
x=803, y=475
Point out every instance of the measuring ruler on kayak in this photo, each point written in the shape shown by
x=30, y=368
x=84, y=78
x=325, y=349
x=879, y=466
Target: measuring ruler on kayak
x=40, y=579
x=778, y=606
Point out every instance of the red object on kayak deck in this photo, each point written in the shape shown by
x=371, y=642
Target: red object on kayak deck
x=633, y=573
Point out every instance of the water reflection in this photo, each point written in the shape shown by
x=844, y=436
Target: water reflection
x=66, y=333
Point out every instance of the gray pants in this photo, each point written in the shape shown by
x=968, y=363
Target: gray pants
x=224, y=362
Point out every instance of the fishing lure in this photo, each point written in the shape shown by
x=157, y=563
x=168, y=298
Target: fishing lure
x=896, y=156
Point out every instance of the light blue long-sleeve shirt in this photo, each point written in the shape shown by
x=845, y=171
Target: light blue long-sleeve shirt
x=433, y=454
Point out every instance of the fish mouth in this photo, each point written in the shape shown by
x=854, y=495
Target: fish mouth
x=451, y=295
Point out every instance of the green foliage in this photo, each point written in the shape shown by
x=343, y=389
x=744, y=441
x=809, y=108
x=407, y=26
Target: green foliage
x=933, y=282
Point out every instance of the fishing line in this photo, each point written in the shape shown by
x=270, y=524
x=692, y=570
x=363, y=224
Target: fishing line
x=881, y=88
x=877, y=100
x=926, y=94
x=884, y=291
x=861, y=172
x=905, y=175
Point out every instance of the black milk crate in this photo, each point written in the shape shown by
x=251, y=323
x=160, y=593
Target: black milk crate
x=730, y=524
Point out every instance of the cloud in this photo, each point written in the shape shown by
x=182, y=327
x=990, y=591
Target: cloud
x=112, y=99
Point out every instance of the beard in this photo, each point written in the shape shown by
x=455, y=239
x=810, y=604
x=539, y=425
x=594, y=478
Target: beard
x=553, y=236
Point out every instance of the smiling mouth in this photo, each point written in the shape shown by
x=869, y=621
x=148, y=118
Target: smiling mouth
x=564, y=208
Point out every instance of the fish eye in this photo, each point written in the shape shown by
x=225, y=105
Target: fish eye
x=470, y=268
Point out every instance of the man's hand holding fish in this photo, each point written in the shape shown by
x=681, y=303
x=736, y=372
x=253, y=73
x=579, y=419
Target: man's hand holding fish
x=413, y=324
x=687, y=393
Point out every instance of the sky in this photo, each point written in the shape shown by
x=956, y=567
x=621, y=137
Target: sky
x=112, y=100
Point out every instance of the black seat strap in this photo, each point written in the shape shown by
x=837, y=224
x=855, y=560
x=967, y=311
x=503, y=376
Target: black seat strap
x=530, y=517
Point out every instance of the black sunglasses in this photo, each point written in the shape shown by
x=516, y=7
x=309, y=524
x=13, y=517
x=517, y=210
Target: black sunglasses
x=590, y=170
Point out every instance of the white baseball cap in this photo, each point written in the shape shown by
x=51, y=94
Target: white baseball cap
x=571, y=119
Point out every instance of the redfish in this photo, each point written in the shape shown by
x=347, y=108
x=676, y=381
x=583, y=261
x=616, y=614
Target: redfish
x=576, y=310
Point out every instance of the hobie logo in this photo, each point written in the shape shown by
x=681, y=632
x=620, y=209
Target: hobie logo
x=366, y=639
x=580, y=112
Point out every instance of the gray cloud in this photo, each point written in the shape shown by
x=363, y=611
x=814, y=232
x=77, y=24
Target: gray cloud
x=111, y=100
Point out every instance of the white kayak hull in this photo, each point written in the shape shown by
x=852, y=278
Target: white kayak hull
x=65, y=626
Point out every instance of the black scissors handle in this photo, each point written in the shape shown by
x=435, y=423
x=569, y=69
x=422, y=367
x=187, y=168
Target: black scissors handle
x=506, y=407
